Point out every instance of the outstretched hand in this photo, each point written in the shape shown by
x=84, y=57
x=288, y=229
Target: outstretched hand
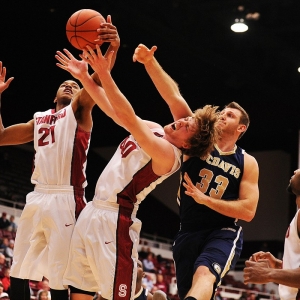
x=192, y=190
x=142, y=54
x=77, y=68
x=108, y=33
x=96, y=60
x=4, y=84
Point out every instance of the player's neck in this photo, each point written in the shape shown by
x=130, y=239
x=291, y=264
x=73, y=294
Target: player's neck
x=59, y=107
x=138, y=287
x=226, y=144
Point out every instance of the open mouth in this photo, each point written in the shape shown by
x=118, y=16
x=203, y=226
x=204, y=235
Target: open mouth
x=173, y=126
x=68, y=91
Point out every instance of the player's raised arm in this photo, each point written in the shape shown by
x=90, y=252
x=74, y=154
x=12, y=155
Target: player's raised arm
x=159, y=149
x=109, y=33
x=15, y=134
x=165, y=85
x=79, y=70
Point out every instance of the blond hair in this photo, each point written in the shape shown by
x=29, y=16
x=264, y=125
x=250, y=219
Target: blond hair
x=202, y=142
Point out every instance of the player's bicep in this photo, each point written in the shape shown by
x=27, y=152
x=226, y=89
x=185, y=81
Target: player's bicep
x=249, y=183
x=83, y=99
x=160, y=150
x=17, y=134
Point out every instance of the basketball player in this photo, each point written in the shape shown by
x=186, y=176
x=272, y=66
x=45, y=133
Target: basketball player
x=61, y=140
x=142, y=293
x=214, y=193
x=263, y=267
x=103, y=253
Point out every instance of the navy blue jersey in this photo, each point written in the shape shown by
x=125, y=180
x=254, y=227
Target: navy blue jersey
x=141, y=295
x=218, y=176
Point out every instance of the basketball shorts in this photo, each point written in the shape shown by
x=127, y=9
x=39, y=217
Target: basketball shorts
x=217, y=249
x=44, y=235
x=103, y=253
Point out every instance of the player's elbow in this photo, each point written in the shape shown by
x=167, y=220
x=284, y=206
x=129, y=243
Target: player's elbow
x=248, y=217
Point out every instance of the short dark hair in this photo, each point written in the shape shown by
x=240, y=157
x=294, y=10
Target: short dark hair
x=295, y=184
x=244, y=119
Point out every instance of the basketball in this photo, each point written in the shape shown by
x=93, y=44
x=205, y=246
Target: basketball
x=81, y=28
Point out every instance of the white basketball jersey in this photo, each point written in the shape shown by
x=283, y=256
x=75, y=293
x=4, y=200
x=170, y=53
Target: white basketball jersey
x=61, y=149
x=291, y=258
x=128, y=178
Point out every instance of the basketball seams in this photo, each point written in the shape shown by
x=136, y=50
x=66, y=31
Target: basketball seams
x=81, y=28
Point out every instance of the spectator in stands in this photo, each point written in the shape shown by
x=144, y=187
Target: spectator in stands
x=253, y=287
x=252, y=296
x=6, y=281
x=43, y=295
x=148, y=263
x=147, y=282
x=9, y=251
x=3, y=265
x=4, y=222
x=244, y=295
x=143, y=253
x=3, y=295
x=264, y=288
x=161, y=284
x=13, y=226
x=141, y=292
x=4, y=244
x=44, y=287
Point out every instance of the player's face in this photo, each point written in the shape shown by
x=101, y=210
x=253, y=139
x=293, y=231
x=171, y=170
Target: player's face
x=140, y=272
x=179, y=132
x=66, y=91
x=229, y=119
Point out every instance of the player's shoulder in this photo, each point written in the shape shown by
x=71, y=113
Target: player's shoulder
x=250, y=162
x=153, y=125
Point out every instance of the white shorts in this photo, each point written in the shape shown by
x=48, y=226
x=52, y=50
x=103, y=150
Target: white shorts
x=103, y=253
x=44, y=235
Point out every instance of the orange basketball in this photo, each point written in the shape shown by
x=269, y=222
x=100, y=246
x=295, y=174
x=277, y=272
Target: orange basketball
x=82, y=28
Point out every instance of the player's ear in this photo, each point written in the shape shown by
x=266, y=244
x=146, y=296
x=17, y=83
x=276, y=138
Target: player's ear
x=186, y=145
x=144, y=274
x=241, y=128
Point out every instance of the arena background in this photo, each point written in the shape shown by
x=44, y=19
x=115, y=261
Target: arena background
x=212, y=64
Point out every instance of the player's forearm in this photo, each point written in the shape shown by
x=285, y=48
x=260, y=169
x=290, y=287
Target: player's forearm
x=114, y=56
x=98, y=95
x=290, y=277
x=238, y=209
x=168, y=89
x=118, y=101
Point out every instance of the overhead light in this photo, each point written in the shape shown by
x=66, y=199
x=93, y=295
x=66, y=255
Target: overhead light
x=239, y=26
